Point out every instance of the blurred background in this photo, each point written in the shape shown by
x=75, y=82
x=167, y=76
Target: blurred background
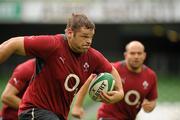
x=156, y=23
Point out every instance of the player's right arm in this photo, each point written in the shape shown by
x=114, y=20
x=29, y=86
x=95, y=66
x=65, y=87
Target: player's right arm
x=9, y=96
x=12, y=46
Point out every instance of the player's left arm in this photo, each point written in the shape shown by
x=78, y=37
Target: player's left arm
x=9, y=96
x=118, y=93
x=148, y=105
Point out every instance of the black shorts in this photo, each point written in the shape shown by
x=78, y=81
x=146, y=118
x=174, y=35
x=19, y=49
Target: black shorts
x=38, y=114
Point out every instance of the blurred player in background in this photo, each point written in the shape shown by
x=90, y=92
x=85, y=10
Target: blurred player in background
x=0, y=115
x=15, y=89
x=65, y=63
x=139, y=84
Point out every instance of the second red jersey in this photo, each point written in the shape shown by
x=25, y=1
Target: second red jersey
x=137, y=86
x=20, y=79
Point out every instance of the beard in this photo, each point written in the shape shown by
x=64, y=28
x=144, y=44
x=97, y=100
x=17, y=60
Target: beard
x=135, y=66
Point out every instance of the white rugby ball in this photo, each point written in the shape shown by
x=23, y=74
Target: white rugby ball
x=104, y=82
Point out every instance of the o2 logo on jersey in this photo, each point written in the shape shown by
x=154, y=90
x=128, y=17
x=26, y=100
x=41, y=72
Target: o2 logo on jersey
x=68, y=78
x=130, y=93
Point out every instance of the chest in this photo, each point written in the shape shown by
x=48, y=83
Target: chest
x=70, y=69
x=140, y=84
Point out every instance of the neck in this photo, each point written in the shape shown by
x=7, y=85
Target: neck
x=135, y=70
x=73, y=50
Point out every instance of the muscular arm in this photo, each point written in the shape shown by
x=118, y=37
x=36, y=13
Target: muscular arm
x=9, y=96
x=11, y=46
x=148, y=106
x=118, y=85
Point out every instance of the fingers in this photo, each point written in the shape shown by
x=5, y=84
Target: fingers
x=76, y=117
x=110, y=97
x=105, y=97
x=77, y=112
x=91, y=77
x=110, y=93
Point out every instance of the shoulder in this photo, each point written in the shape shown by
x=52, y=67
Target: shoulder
x=60, y=40
x=60, y=37
x=22, y=73
x=44, y=38
x=26, y=64
x=94, y=53
x=119, y=64
x=150, y=71
x=25, y=69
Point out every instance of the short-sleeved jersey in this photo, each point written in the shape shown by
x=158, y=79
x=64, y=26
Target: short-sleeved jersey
x=61, y=73
x=137, y=87
x=20, y=79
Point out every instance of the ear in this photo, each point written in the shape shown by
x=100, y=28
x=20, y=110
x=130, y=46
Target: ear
x=69, y=32
x=144, y=55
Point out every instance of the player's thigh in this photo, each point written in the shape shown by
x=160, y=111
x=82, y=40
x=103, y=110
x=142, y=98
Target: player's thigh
x=38, y=114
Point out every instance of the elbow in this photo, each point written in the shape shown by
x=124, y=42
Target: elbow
x=4, y=98
x=148, y=106
x=122, y=94
x=0, y=59
x=11, y=46
x=148, y=109
x=3, y=49
x=1, y=56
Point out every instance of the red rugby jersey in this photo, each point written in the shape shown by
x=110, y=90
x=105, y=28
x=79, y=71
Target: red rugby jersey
x=20, y=79
x=137, y=87
x=61, y=73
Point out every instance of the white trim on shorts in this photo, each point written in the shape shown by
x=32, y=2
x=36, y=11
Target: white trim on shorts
x=32, y=113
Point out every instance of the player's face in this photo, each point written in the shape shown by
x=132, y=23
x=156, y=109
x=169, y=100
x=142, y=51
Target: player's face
x=81, y=40
x=135, y=57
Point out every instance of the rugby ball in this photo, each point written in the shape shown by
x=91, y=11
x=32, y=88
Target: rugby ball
x=104, y=82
